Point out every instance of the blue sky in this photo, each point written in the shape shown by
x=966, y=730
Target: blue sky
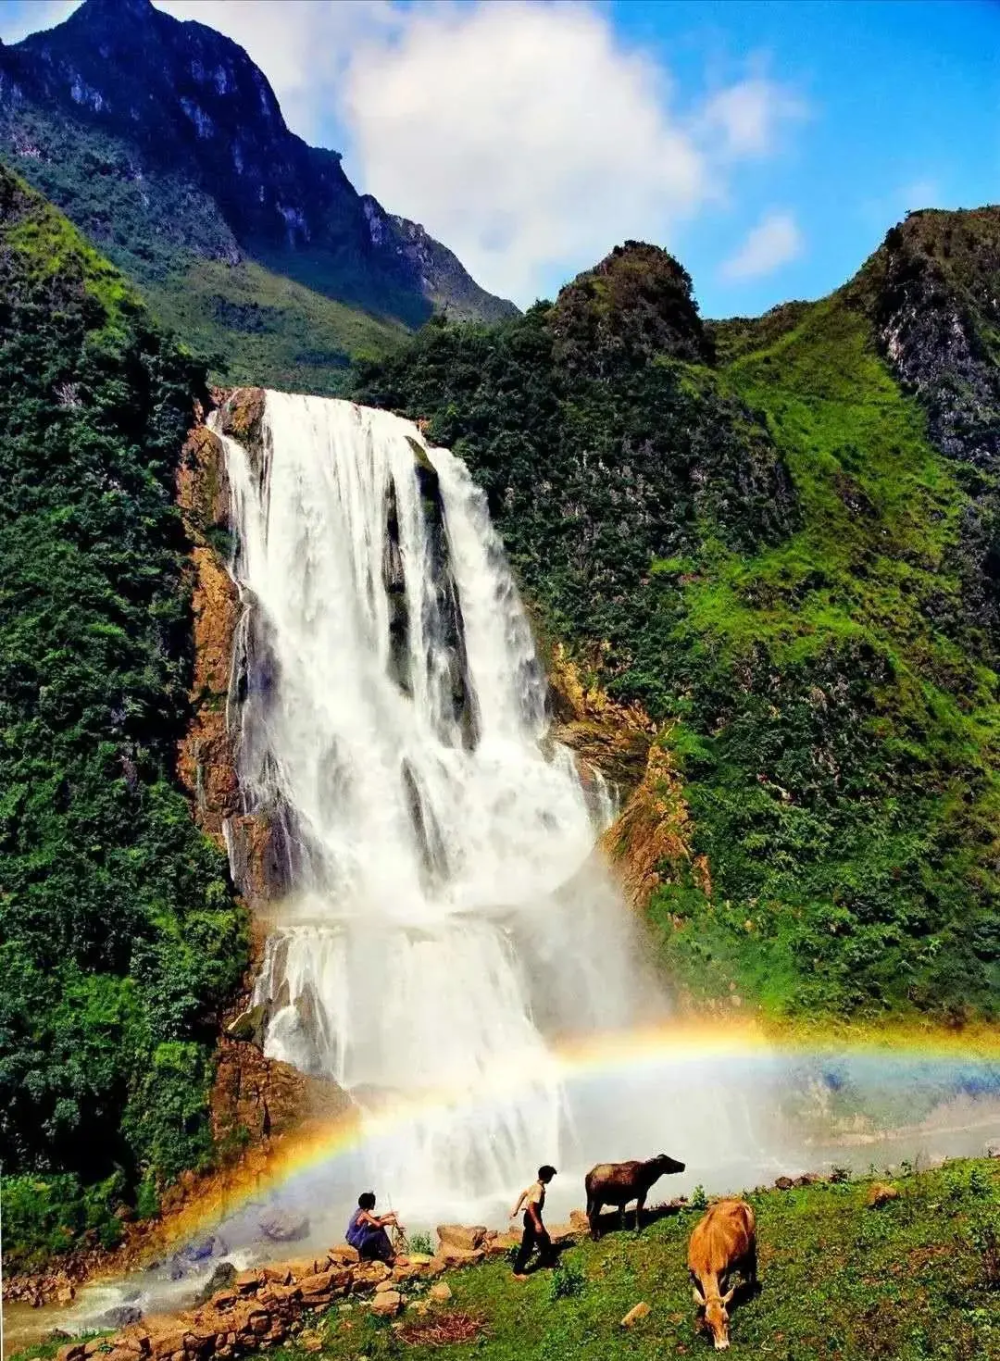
x=768, y=143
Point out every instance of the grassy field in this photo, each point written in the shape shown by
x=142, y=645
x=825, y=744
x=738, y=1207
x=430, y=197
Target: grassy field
x=917, y=1278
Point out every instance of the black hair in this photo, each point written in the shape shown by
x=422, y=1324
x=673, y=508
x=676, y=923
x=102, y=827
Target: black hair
x=545, y=1172
x=366, y=1201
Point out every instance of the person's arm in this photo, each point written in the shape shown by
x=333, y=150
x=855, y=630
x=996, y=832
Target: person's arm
x=536, y=1218
x=517, y=1208
x=387, y=1220
x=366, y=1217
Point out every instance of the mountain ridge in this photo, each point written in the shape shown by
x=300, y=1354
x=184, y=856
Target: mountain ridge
x=165, y=143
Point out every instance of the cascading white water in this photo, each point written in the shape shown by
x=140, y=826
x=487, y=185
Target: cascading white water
x=446, y=916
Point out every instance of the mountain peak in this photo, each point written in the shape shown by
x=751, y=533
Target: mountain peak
x=636, y=303
x=165, y=142
x=117, y=10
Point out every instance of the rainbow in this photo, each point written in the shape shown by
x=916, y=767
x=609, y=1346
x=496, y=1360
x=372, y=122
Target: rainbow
x=677, y=1043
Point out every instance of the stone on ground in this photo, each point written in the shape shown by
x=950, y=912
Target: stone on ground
x=466, y=1236
x=387, y=1303
x=637, y=1312
x=440, y=1292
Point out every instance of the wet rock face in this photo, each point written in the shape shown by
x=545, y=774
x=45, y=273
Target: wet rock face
x=259, y=1098
x=206, y=765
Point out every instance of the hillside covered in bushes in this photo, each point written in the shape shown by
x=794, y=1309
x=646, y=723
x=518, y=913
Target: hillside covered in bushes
x=780, y=536
x=119, y=934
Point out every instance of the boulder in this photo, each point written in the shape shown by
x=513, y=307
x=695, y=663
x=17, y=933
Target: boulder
x=280, y=1274
x=165, y=1338
x=880, y=1194
x=368, y=1274
x=406, y=1271
x=387, y=1303
x=455, y=1256
x=579, y=1221
x=435, y=1266
x=120, y=1316
x=222, y=1278
x=440, y=1292
x=383, y=1286
x=466, y=1236
x=73, y=1351
x=344, y=1253
x=637, y=1312
x=248, y=1282
x=993, y=1150
x=283, y=1226
x=784, y=1183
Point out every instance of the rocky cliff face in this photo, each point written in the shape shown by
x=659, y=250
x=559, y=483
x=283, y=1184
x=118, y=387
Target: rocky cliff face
x=933, y=292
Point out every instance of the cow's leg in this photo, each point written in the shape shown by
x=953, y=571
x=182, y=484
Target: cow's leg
x=594, y=1216
x=751, y=1266
x=621, y=1214
x=640, y=1205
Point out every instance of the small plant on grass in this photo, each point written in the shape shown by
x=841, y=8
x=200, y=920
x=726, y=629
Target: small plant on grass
x=567, y=1280
x=699, y=1200
x=421, y=1242
x=985, y=1234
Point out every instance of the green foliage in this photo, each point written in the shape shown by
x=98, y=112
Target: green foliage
x=262, y=327
x=774, y=560
x=566, y=1281
x=119, y=937
x=839, y=1282
x=698, y=1200
x=423, y=1243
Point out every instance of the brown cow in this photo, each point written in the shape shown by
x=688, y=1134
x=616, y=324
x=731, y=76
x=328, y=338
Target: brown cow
x=724, y=1240
x=618, y=1183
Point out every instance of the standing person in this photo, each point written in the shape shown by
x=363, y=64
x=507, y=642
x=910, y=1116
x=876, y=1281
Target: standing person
x=367, y=1231
x=535, y=1234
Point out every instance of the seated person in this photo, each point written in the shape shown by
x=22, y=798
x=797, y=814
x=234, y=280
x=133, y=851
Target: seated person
x=367, y=1231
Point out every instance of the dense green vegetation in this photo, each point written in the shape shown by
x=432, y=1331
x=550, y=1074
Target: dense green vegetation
x=749, y=530
x=917, y=1278
x=119, y=937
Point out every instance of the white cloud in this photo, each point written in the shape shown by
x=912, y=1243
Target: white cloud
x=749, y=116
x=775, y=241
x=524, y=135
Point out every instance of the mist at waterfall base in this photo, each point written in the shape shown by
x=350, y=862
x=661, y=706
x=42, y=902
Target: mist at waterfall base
x=446, y=919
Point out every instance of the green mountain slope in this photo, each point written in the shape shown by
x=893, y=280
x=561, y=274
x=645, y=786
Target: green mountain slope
x=750, y=528
x=119, y=936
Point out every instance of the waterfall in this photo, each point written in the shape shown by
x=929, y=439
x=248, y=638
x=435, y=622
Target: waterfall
x=446, y=915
